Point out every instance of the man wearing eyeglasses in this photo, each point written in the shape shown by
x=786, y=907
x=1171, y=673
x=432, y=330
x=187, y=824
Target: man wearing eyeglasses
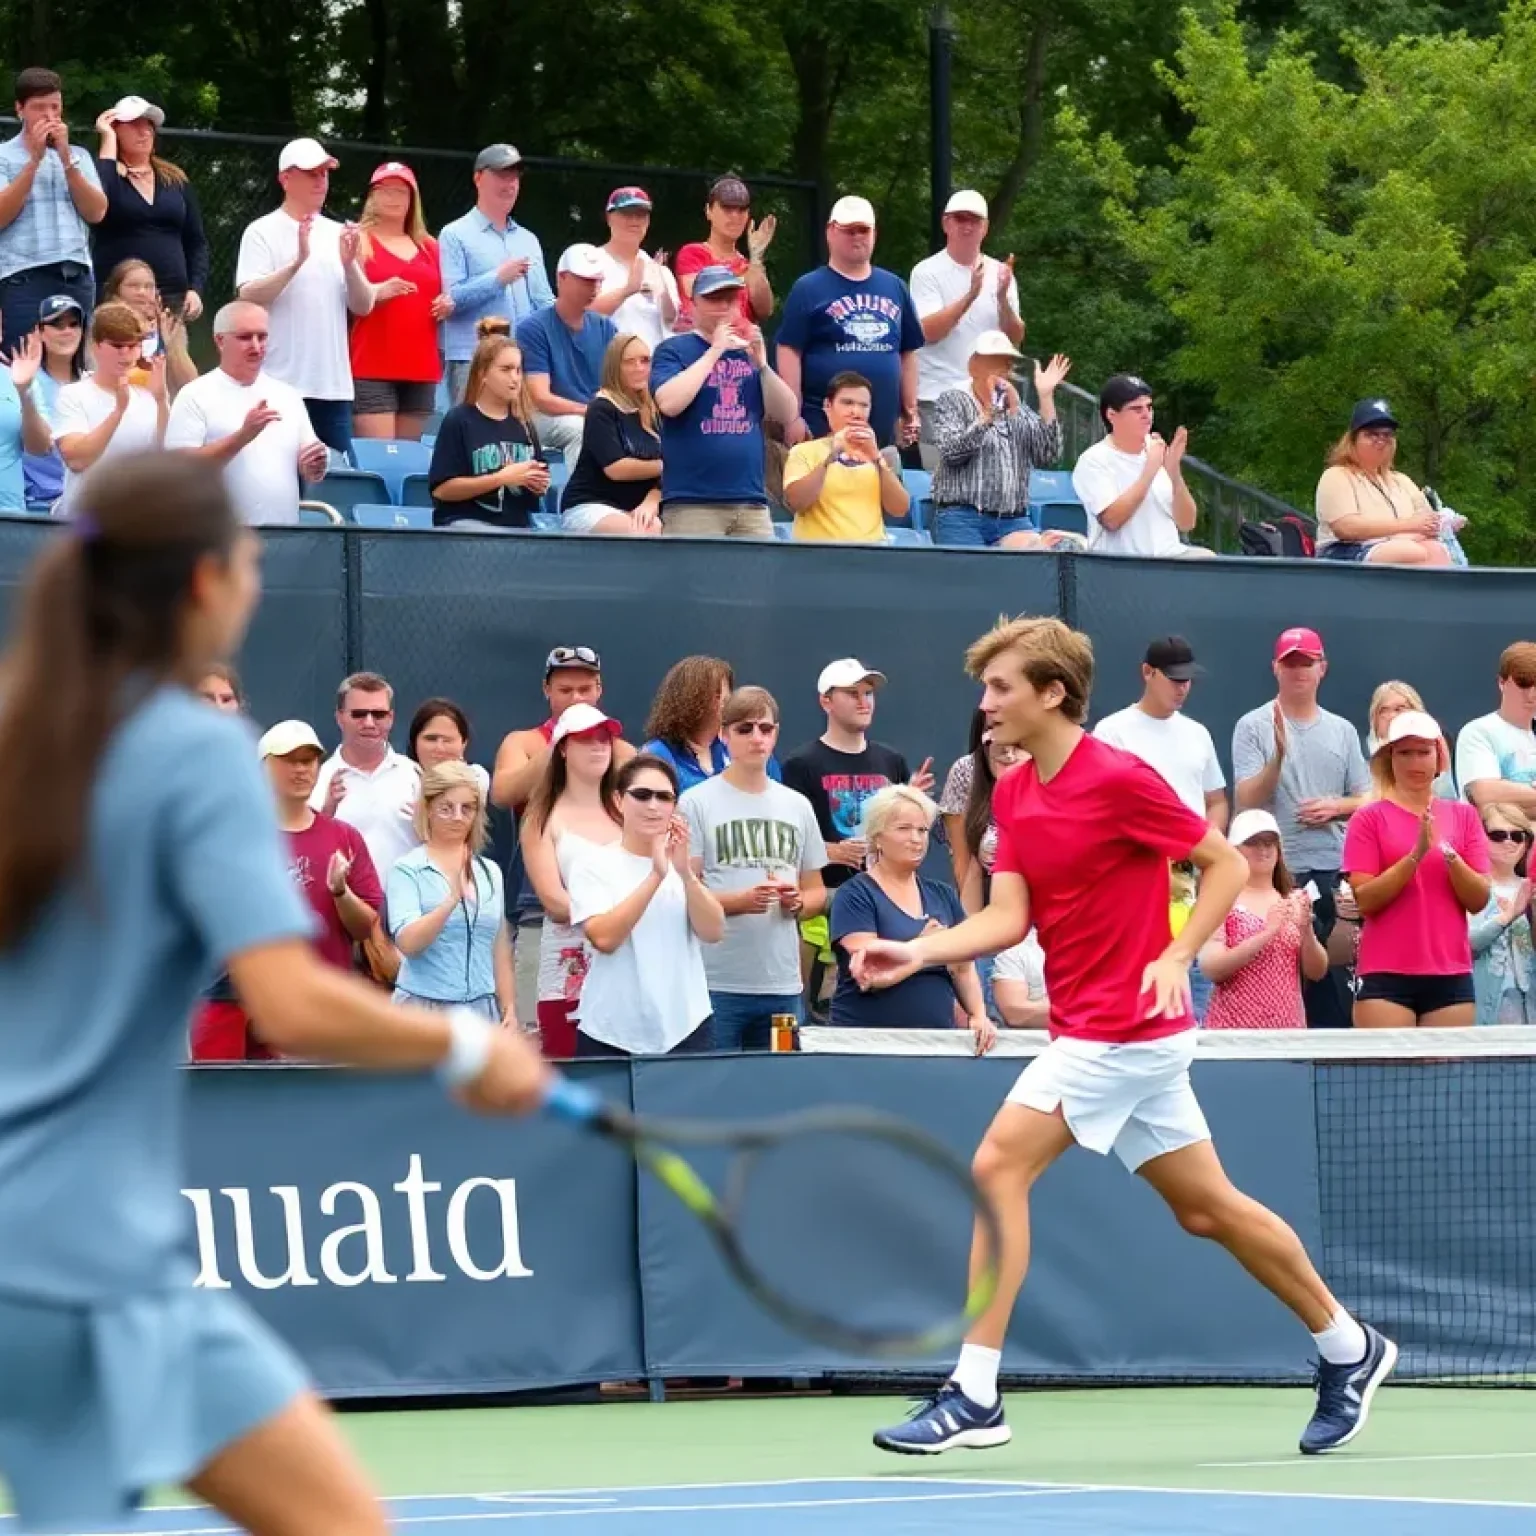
x=254, y=427
x=365, y=782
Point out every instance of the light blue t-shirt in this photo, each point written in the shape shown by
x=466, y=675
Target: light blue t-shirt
x=13, y=487
x=572, y=359
x=183, y=867
x=44, y=472
x=1491, y=748
x=459, y=966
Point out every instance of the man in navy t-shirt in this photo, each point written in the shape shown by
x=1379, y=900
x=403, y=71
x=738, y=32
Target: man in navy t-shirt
x=712, y=388
x=852, y=314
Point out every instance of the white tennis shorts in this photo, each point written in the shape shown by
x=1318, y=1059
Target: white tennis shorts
x=1135, y=1100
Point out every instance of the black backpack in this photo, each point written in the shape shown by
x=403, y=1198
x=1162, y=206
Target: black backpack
x=1285, y=536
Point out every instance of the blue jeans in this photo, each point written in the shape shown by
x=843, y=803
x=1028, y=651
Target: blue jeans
x=966, y=528
x=332, y=421
x=743, y=1019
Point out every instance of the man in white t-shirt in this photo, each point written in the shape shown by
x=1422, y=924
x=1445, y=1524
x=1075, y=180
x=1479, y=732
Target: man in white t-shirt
x=639, y=293
x=959, y=293
x=1155, y=730
x=253, y=426
x=1496, y=754
x=1018, y=985
x=366, y=783
x=303, y=269
x=1132, y=482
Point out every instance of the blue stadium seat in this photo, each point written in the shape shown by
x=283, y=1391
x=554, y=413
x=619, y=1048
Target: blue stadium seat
x=922, y=513
x=348, y=488
x=545, y=522
x=393, y=459
x=784, y=532
x=896, y=534
x=414, y=492
x=1051, y=485
x=378, y=515
x=919, y=484
x=558, y=475
x=428, y=439
x=1069, y=515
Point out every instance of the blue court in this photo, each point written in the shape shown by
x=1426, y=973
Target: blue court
x=864, y=1506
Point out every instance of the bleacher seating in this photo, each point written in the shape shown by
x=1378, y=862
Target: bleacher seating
x=393, y=459
x=414, y=492
x=347, y=488
x=559, y=473
x=391, y=516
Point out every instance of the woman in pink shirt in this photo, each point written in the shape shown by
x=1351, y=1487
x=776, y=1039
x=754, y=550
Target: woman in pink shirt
x=1418, y=866
x=1258, y=957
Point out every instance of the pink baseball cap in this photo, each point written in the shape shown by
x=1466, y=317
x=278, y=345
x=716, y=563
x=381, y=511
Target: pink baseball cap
x=394, y=170
x=1304, y=642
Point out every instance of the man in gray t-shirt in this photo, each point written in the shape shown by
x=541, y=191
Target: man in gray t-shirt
x=1304, y=765
x=757, y=846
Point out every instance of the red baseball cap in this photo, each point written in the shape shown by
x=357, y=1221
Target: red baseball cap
x=1305, y=642
x=394, y=170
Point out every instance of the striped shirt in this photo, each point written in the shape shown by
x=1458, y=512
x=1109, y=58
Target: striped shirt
x=985, y=464
x=49, y=228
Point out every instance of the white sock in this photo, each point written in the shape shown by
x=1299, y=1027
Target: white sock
x=976, y=1373
x=1342, y=1342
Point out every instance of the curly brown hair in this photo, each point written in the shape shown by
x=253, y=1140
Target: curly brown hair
x=688, y=697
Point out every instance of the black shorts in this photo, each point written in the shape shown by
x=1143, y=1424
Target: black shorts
x=390, y=397
x=1421, y=994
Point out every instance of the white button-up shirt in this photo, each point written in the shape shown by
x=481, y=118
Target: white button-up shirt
x=380, y=804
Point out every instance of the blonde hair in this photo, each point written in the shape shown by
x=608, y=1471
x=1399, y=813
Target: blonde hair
x=415, y=220
x=1380, y=697
x=1382, y=776
x=1506, y=812
x=883, y=805
x=435, y=783
x=489, y=351
x=619, y=393
x=1048, y=651
x=1343, y=456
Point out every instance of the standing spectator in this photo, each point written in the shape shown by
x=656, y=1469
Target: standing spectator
x=50, y=193
x=1366, y=510
x=756, y=845
x=1156, y=730
x=966, y=806
x=488, y=468
x=1132, y=482
x=713, y=388
x=447, y=909
x=1390, y=700
x=393, y=348
x=132, y=282
x=329, y=859
x=1294, y=759
x=988, y=441
x=645, y=914
x=638, y=294
x=1257, y=958
x=303, y=269
x=61, y=325
x=23, y=427
x=563, y=346
x=220, y=687
x=684, y=728
x=365, y=782
x=491, y=264
x=616, y=484
x=574, y=809
x=1496, y=754
x=1503, y=967
x=728, y=209
x=103, y=416
x=851, y=314
x=959, y=294
x=152, y=211
x=892, y=900
x=842, y=486
x=254, y=427
x=440, y=733
x=1419, y=868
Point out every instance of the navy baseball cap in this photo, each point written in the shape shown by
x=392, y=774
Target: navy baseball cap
x=715, y=279
x=1120, y=389
x=1372, y=413
x=57, y=304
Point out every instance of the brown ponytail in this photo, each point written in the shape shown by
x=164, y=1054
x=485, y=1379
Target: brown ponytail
x=101, y=620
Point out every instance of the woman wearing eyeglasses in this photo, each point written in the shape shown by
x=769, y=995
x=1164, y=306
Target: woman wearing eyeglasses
x=645, y=914
x=446, y=906
x=1502, y=961
x=1366, y=510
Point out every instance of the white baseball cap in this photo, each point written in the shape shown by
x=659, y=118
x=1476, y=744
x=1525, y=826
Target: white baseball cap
x=852, y=210
x=967, y=202
x=1413, y=725
x=994, y=344
x=847, y=673
x=131, y=108
x=306, y=155
x=579, y=719
x=1247, y=825
x=580, y=261
x=288, y=736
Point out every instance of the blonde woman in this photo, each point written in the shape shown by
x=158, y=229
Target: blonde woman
x=616, y=484
x=488, y=470
x=395, y=360
x=892, y=900
x=446, y=907
x=1366, y=510
x=1503, y=968
x=1390, y=700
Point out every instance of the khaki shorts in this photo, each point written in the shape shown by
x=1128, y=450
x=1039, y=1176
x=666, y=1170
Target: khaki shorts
x=716, y=520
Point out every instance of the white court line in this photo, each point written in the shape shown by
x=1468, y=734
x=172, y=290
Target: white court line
x=1357, y=1461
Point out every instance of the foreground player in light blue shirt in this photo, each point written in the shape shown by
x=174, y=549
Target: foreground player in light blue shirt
x=139, y=855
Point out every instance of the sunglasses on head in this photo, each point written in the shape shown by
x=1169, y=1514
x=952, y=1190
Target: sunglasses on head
x=564, y=655
x=370, y=714
x=645, y=796
x=1501, y=835
x=754, y=727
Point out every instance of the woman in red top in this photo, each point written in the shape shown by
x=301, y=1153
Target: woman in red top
x=1256, y=959
x=395, y=358
x=729, y=211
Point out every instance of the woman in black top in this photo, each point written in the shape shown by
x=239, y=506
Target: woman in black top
x=616, y=484
x=488, y=470
x=152, y=212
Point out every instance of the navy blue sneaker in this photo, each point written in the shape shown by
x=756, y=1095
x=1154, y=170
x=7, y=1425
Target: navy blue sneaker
x=947, y=1421
x=1344, y=1394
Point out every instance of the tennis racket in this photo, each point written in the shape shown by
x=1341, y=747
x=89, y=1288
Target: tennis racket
x=799, y=1220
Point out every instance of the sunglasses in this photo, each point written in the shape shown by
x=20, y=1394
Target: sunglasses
x=65, y=323
x=564, y=655
x=370, y=714
x=754, y=727
x=645, y=796
x=1499, y=835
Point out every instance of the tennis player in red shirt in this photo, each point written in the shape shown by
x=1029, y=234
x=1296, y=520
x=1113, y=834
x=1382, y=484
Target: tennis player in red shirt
x=1086, y=833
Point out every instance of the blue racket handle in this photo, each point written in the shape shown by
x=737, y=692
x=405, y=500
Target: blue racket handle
x=572, y=1101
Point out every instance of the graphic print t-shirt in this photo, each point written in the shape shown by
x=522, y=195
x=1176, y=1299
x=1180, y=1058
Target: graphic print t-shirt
x=838, y=784
x=471, y=443
x=309, y=861
x=836, y=322
x=713, y=451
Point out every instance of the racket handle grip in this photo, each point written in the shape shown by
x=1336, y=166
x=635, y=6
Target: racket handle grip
x=572, y=1101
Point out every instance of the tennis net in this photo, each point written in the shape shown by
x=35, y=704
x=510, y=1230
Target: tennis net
x=1426, y=1177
